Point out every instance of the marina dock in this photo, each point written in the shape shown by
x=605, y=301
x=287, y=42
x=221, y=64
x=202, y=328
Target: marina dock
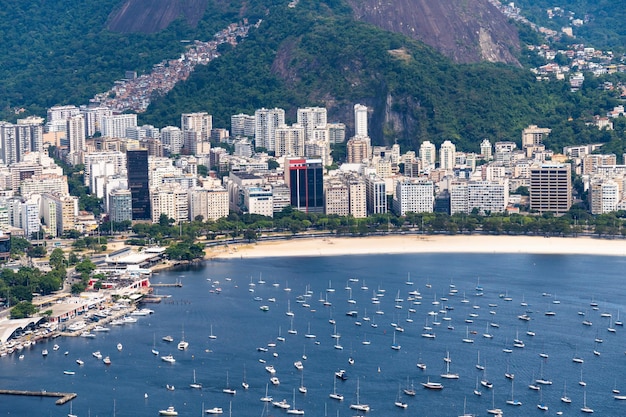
x=175, y=284
x=63, y=396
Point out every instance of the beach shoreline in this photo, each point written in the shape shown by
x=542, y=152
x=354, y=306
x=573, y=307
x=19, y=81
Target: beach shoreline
x=418, y=244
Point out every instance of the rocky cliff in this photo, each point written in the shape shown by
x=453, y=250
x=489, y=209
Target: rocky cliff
x=464, y=30
x=152, y=16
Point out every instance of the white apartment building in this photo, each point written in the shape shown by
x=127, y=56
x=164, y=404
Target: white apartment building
x=66, y=211
x=336, y=198
x=486, y=150
x=75, y=133
x=428, y=155
x=336, y=132
x=242, y=125
x=210, y=203
x=318, y=149
x=311, y=118
x=259, y=200
x=200, y=122
x=376, y=189
x=485, y=196
x=172, y=139
x=106, y=163
x=171, y=200
x=93, y=118
x=360, y=121
x=114, y=126
x=44, y=183
x=266, y=123
x=604, y=196
x=289, y=140
x=57, y=115
x=413, y=195
x=357, y=193
x=447, y=153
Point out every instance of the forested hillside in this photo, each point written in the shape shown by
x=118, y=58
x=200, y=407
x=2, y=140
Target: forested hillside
x=603, y=20
x=315, y=53
x=300, y=57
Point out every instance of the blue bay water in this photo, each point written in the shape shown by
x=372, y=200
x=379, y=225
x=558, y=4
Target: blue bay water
x=241, y=327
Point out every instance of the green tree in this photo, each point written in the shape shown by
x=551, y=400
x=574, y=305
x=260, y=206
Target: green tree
x=22, y=310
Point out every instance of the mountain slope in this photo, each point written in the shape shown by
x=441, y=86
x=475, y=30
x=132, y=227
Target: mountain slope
x=464, y=30
x=155, y=15
x=301, y=58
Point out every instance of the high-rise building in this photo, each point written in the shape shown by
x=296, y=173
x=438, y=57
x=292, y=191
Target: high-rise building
x=336, y=133
x=57, y=116
x=376, y=195
x=447, y=152
x=336, y=198
x=310, y=118
x=16, y=140
x=358, y=149
x=533, y=136
x=604, y=196
x=360, y=120
x=428, y=155
x=484, y=196
x=266, y=122
x=172, y=139
x=138, y=182
x=306, y=184
x=200, y=122
x=114, y=126
x=242, y=125
x=551, y=188
x=412, y=195
x=171, y=200
x=486, y=150
x=93, y=118
x=75, y=133
x=289, y=140
x=120, y=205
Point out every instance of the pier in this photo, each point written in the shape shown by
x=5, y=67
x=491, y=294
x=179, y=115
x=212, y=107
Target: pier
x=175, y=284
x=63, y=396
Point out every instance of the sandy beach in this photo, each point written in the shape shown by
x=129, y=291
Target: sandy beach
x=334, y=246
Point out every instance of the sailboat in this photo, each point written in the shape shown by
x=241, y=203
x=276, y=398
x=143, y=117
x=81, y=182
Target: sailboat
x=477, y=391
x=289, y=312
x=154, y=349
x=183, y=344
x=291, y=329
x=565, y=398
x=211, y=335
x=266, y=398
x=541, y=379
x=308, y=334
x=334, y=394
x=464, y=409
x=399, y=403
x=302, y=388
x=542, y=406
x=244, y=382
x=448, y=374
x=71, y=414
x=358, y=406
x=394, y=345
x=409, y=390
x=493, y=409
x=585, y=408
x=293, y=409
x=582, y=383
x=484, y=381
x=467, y=339
x=195, y=384
x=228, y=389
x=513, y=401
x=487, y=335
x=478, y=364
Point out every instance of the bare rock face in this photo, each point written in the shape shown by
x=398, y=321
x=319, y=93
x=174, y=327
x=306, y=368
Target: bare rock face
x=464, y=30
x=151, y=16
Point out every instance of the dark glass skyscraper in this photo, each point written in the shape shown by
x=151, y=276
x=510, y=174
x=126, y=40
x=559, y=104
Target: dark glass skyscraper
x=137, y=167
x=305, y=178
